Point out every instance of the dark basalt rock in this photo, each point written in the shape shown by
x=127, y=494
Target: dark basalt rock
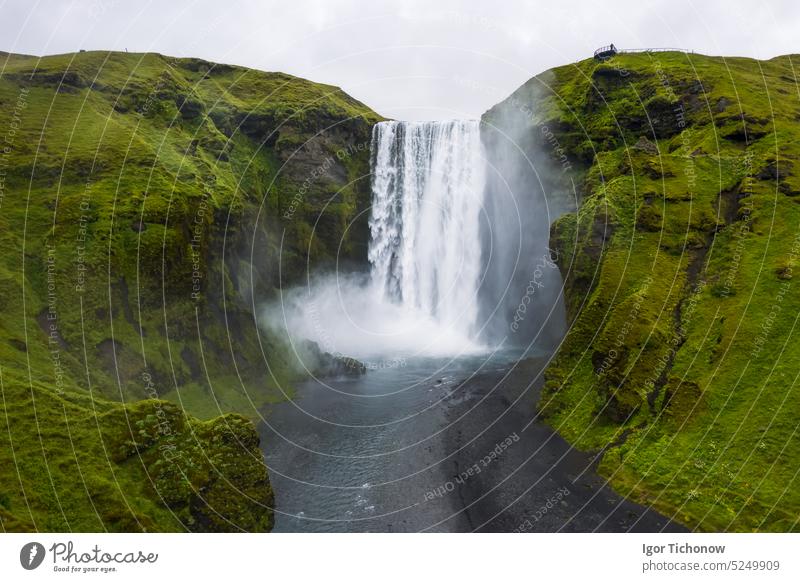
x=775, y=170
x=326, y=365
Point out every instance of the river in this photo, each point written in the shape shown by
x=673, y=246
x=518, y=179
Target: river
x=440, y=445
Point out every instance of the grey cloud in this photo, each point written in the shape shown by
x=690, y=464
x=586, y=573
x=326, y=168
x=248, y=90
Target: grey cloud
x=404, y=58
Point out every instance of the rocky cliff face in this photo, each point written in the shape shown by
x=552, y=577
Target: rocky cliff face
x=681, y=356
x=147, y=204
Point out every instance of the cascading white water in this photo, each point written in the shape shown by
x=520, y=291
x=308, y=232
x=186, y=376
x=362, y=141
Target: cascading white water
x=421, y=296
x=427, y=195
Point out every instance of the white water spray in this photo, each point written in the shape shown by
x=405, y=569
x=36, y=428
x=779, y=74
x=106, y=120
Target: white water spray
x=420, y=298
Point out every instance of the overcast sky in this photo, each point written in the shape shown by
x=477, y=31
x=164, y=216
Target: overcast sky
x=405, y=59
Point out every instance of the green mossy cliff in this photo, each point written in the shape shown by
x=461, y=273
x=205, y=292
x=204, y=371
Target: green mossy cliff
x=145, y=203
x=681, y=284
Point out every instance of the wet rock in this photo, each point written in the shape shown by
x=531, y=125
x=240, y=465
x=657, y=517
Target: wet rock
x=326, y=365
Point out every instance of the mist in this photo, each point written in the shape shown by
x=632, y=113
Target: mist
x=527, y=189
x=347, y=316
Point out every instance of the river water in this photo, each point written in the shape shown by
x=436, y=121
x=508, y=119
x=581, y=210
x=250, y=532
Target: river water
x=435, y=445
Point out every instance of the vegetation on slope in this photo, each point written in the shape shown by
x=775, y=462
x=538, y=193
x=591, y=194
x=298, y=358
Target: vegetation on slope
x=682, y=359
x=146, y=204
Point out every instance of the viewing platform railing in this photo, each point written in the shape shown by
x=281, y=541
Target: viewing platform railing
x=606, y=52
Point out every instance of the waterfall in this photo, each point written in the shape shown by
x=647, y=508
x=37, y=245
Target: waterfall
x=458, y=258
x=427, y=194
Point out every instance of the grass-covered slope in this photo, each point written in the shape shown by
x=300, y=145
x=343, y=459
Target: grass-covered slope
x=145, y=202
x=681, y=278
